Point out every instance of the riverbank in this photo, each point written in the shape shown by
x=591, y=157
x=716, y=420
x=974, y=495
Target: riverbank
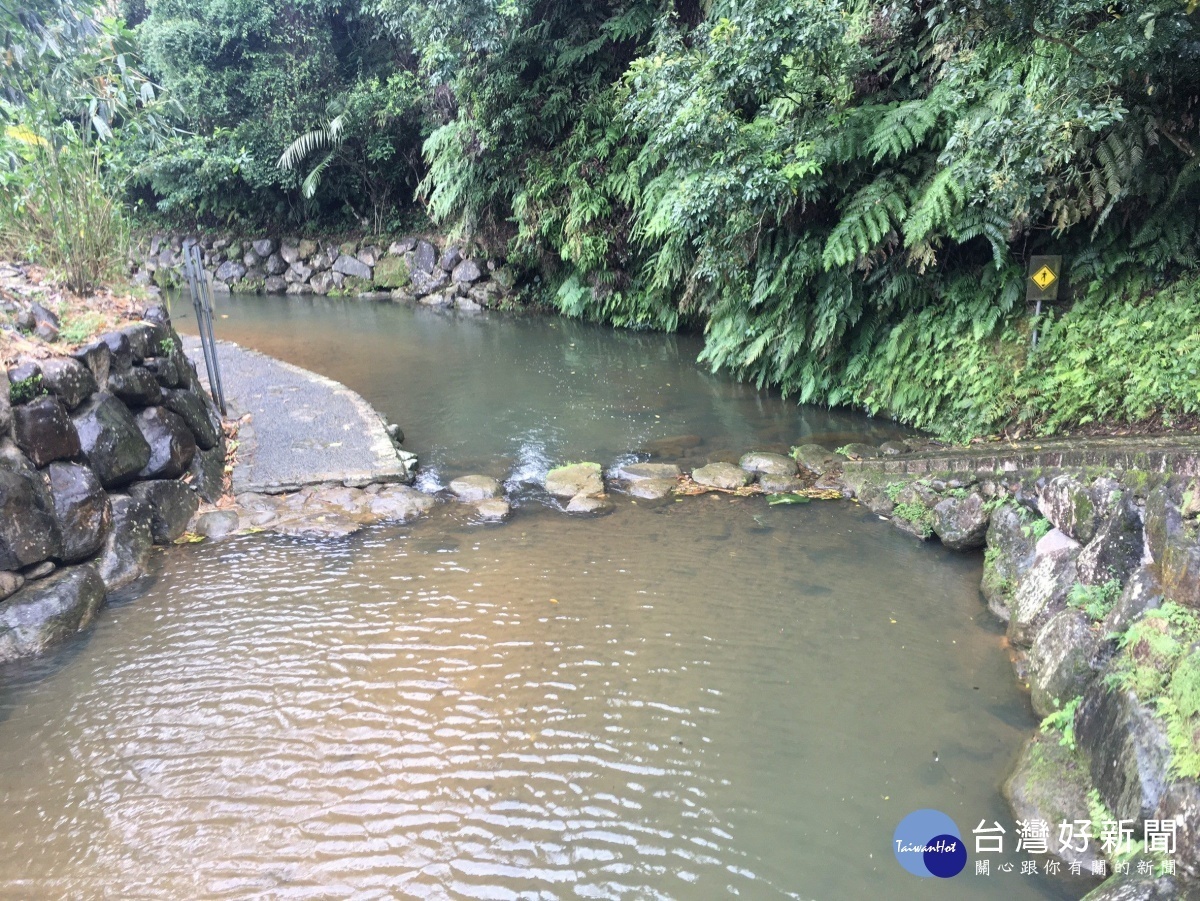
x=1048, y=515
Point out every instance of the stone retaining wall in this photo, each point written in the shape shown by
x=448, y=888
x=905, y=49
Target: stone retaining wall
x=1096, y=573
x=407, y=269
x=104, y=453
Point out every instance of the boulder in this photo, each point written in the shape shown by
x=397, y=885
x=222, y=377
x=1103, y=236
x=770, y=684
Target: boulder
x=1051, y=784
x=5, y=403
x=81, y=509
x=46, y=612
x=1074, y=508
x=369, y=255
x=588, y=504
x=276, y=265
x=495, y=509
x=474, y=488
x=289, y=251
x=29, y=532
x=44, y=431
x=207, y=472
x=352, y=266
x=1173, y=544
x=1128, y=751
x=1043, y=591
x=451, y=257
x=217, y=524
x=401, y=247
x=136, y=386
x=10, y=584
x=1010, y=554
x=274, y=285
x=962, y=523
x=172, y=445
x=299, y=289
x=391, y=272
x=1142, y=592
x=264, y=247
x=425, y=283
x=127, y=547
x=816, y=458
x=772, y=464
x=425, y=257
x=322, y=283
x=577, y=479
x=893, y=448
x=120, y=354
x=297, y=274
x=307, y=249
x=97, y=358
x=721, y=475
x=111, y=441
x=172, y=506
x=466, y=273
x=638, y=472
x=859, y=451
x=166, y=371
x=251, y=260
x=195, y=413
x=1063, y=660
x=1116, y=549
x=69, y=379
x=229, y=271
x=1134, y=887
x=39, y=570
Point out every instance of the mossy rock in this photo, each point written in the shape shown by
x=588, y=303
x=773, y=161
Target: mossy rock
x=350, y=248
x=391, y=272
x=1051, y=782
x=354, y=285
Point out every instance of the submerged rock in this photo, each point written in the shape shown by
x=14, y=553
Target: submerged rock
x=721, y=475
x=575, y=480
x=589, y=504
x=399, y=503
x=474, y=488
x=495, y=509
x=129, y=542
x=651, y=489
x=46, y=612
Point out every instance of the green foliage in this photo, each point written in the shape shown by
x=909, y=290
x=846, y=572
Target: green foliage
x=74, y=111
x=1097, y=601
x=1037, y=528
x=24, y=390
x=893, y=490
x=1180, y=709
x=1062, y=721
x=1151, y=648
x=916, y=513
x=78, y=327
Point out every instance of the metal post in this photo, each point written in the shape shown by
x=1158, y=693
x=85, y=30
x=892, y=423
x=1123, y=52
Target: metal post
x=202, y=303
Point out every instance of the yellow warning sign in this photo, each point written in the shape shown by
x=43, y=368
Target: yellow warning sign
x=1044, y=277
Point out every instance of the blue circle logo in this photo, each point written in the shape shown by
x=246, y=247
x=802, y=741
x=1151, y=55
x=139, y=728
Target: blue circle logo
x=928, y=843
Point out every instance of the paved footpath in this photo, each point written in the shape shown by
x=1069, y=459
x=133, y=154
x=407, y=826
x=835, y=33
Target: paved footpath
x=304, y=429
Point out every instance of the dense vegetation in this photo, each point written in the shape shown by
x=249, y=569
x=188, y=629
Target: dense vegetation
x=844, y=195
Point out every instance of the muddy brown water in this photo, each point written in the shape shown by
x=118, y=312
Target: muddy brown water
x=697, y=699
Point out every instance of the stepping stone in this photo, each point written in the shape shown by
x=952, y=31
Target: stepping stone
x=578, y=478
x=636, y=472
x=494, y=509
x=721, y=475
x=651, y=489
x=772, y=464
x=589, y=504
x=474, y=488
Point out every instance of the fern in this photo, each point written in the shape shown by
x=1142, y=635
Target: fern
x=868, y=218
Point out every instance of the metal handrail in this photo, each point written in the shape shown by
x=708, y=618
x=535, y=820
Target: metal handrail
x=193, y=268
